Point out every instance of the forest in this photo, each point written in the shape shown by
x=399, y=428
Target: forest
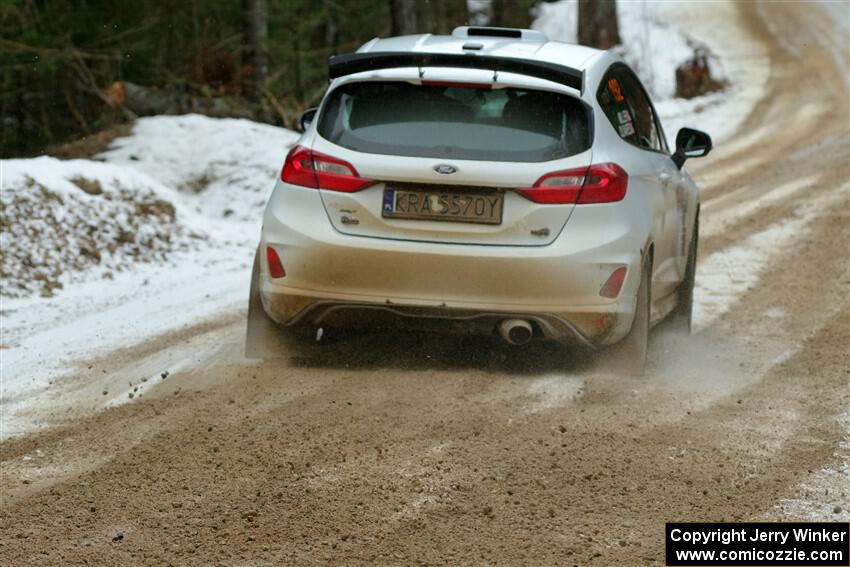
x=72, y=68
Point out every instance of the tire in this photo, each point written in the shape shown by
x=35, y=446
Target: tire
x=265, y=339
x=683, y=315
x=630, y=353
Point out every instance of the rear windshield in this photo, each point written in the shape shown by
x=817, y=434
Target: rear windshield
x=461, y=122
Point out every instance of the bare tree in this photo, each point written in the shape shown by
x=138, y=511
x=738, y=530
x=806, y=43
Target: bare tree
x=403, y=14
x=597, y=23
x=331, y=26
x=255, y=31
x=510, y=13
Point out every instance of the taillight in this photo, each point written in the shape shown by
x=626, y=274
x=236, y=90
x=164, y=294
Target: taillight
x=275, y=265
x=307, y=168
x=600, y=183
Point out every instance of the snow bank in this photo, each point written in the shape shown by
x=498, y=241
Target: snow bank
x=176, y=183
x=224, y=168
x=62, y=218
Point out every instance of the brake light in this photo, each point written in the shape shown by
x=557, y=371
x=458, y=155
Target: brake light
x=483, y=86
x=275, y=265
x=600, y=183
x=307, y=168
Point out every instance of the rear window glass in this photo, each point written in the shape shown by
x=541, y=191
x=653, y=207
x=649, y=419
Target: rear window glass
x=461, y=122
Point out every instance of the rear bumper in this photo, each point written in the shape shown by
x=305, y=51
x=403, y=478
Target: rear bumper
x=320, y=312
x=333, y=277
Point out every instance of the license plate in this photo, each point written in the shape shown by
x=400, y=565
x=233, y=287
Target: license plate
x=455, y=206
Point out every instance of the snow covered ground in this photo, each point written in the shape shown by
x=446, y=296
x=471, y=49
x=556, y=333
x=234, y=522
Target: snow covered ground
x=98, y=255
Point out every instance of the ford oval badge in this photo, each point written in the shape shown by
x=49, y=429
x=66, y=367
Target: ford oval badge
x=445, y=169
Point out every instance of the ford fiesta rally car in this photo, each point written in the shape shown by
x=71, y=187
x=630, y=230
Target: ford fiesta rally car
x=490, y=181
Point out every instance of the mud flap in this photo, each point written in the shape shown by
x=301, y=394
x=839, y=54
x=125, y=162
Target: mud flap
x=264, y=338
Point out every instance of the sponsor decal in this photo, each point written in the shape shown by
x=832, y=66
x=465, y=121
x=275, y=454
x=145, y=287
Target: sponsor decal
x=614, y=87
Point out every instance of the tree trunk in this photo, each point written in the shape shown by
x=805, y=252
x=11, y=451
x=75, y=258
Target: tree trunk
x=403, y=14
x=331, y=27
x=147, y=101
x=255, y=30
x=502, y=13
x=510, y=14
x=597, y=23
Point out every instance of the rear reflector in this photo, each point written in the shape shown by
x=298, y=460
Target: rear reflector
x=611, y=288
x=316, y=170
x=600, y=183
x=275, y=265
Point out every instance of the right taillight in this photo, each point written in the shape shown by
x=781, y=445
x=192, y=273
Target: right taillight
x=316, y=170
x=599, y=183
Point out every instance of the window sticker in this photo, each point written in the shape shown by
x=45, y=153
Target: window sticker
x=627, y=129
x=614, y=87
x=624, y=117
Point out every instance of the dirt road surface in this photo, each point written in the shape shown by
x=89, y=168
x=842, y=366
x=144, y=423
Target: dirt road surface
x=408, y=450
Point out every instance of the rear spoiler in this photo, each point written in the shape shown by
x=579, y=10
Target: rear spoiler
x=341, y=65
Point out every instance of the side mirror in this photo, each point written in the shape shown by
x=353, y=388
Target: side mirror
x=307, y=118
x=690, y=143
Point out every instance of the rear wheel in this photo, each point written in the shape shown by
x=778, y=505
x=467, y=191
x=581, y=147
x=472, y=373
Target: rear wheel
x=265, y=338
x=629, y=354
x=682, y=316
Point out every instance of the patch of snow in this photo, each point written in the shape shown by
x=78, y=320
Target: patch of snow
x=714, y=223
x=47, y=340
x=223, y=168
x=837, y=39
x=479, y=11
x=726, y=275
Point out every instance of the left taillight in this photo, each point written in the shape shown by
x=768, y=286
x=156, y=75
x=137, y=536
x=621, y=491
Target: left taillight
x=316, y=170
x=599, y=183
x=275, y=265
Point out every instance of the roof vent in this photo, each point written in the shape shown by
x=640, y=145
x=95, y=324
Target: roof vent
x=510, y=33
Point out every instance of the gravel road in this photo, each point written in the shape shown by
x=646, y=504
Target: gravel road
x=429, y=450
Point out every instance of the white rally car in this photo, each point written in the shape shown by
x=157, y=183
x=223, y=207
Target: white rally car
x=491, y=180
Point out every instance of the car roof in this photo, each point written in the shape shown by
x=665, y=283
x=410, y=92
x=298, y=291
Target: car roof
x=530, y=44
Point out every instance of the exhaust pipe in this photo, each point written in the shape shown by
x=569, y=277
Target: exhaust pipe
x=516, y=331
